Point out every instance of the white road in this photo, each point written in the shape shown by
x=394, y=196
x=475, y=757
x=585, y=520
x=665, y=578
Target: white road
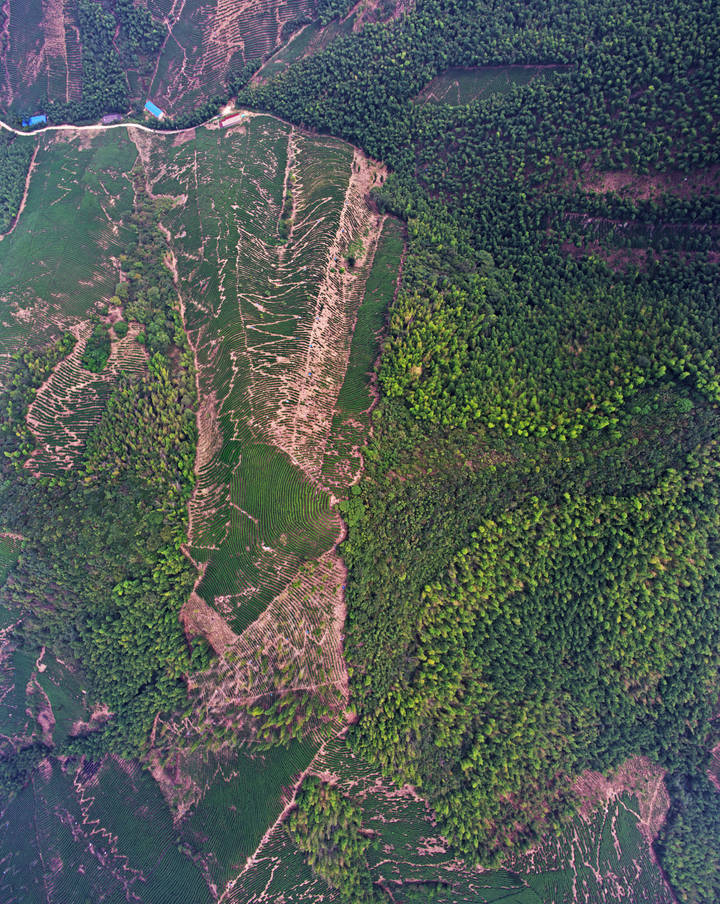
x=99, y=127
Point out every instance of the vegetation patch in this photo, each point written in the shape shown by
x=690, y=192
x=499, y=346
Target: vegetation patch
x=463, y=86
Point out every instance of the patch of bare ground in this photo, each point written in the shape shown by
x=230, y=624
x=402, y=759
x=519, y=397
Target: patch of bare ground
x=301, y=429
x=176, y=784
x=295, y=645
x=620, y=259
x=637, y=776
x=39, y=707
x=198, y=619
x=645, y=187
x=17, y=216
x=100, y=716
x=617, y=259
x=370, y=11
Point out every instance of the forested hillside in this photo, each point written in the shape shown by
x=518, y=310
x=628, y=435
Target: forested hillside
x=533, y=553
x=511, y=657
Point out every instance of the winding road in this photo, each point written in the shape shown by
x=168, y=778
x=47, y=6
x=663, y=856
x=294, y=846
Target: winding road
x=99, y=127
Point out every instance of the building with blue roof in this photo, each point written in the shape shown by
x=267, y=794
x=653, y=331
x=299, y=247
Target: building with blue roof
x=154, y=110
x=38, y=120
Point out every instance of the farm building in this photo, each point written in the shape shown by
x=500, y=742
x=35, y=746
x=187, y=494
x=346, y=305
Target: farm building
x=154, y=110
x=111, y=117
x=232, y=120
x=38, y=120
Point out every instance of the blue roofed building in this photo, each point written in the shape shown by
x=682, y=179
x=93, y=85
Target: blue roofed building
x=38, y=120
x=154, y=110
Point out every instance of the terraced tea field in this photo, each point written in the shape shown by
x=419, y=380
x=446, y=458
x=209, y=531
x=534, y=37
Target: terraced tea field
x=43, y=57
x=258, y=221
x=85, y=847
x=206, y=42
x=61, y=260
x=604, y=856
x=462, y=86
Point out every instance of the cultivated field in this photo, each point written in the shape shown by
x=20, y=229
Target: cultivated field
x=258, y=222
x=61, y=259
x=603, y=857
x=208, y=41
x=462, y=86
x=42, y=56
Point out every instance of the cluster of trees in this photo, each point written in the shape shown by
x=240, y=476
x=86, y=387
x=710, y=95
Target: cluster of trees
x=688, y=843
x=102, y=577
x=17, y=766
x=327, y=827
x=533, y=585
x=14, y=162
x=97, y=349
x=30, y=370
x=139, y=32
x=104, y=83
x=147, y=293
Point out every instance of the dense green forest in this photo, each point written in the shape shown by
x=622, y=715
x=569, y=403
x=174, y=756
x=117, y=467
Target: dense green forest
x=689, y=840
x=14, y=161
x=533, y=553
x=327, y=827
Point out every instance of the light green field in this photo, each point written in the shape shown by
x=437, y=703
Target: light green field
x=250, y=303
x=56, y=264
x=462, y=86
